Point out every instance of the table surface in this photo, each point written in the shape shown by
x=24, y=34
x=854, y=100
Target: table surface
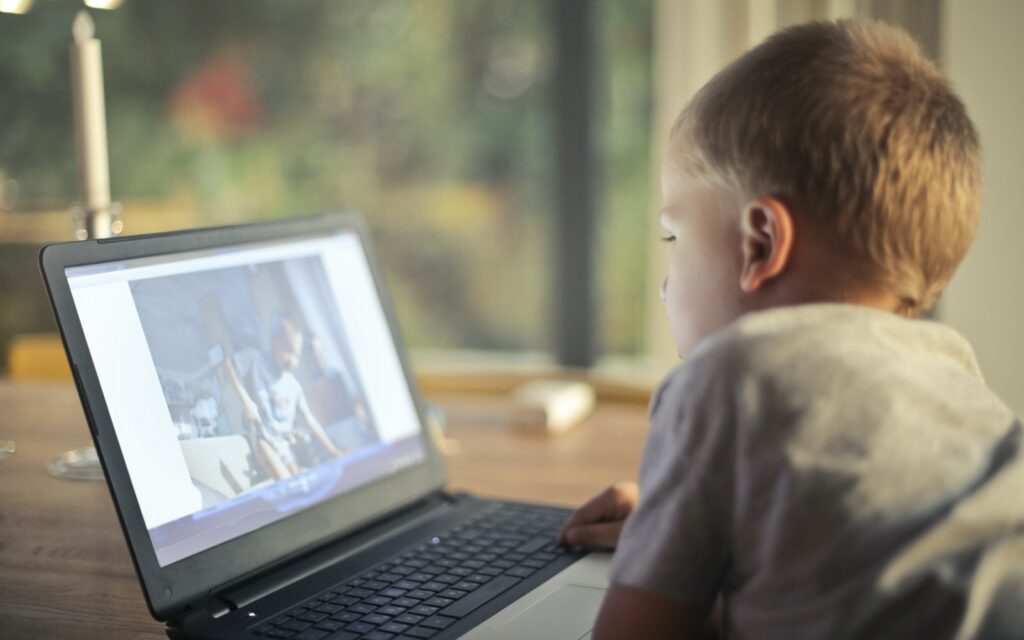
x=65, y=571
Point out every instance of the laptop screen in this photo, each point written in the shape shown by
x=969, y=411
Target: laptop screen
x=246, y=384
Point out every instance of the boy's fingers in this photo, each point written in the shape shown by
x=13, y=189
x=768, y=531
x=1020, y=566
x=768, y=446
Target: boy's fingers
x=600, y=507
x=613, y=504
x=601, y=535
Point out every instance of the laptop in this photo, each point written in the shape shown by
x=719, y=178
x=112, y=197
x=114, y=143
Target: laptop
x=265, y=447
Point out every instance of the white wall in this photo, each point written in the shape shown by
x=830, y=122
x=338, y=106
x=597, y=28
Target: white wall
x=983, y=53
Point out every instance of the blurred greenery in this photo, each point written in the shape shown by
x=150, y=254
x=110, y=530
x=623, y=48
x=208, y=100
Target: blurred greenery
x=432, y=117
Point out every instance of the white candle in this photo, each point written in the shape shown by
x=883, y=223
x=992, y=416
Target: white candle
x=90, y=121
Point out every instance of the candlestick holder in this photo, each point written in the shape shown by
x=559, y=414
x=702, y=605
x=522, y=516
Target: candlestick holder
x=87, y=223
x=96, y=222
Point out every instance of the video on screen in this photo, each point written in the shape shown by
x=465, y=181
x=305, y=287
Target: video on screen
x=256, y=371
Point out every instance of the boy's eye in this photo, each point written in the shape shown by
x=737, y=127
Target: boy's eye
x=668, y=238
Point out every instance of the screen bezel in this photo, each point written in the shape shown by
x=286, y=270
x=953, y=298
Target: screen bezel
x=168, y=590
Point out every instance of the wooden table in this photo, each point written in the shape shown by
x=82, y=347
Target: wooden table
x=65, y=571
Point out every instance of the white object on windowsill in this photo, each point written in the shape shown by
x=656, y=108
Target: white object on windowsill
x=551, y=406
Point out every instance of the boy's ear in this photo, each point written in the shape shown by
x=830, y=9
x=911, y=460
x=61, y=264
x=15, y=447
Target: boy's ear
x=766, y=227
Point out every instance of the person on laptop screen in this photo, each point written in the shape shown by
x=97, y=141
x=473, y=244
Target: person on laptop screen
x=824, y=463
x=273, y=399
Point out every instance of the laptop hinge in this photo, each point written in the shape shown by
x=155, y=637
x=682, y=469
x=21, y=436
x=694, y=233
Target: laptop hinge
x=242, y=594
x=214, y=606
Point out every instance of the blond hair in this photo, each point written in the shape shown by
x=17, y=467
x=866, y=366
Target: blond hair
x=849, y=122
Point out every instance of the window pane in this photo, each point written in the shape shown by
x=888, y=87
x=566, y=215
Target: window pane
x=623, y=133
x=430, y=116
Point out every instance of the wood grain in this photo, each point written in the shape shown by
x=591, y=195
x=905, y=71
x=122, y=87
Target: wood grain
x=64, y=567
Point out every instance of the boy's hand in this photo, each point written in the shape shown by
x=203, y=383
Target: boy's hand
x=599, y=522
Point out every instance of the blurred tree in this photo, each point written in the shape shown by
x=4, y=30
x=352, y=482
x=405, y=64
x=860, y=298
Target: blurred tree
x=429, y=116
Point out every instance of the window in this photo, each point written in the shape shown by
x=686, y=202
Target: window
x=433, y=118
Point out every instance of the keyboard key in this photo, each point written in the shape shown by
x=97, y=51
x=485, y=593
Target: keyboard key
x=405, y=602
x=362, y=608
x=446, y=579
x=360, y=593
x=412, y=618
x=394, y=627
x=344, y=601
x=360, y=627
x=378, y=635
x=296, y=625
x=424, y=610
x=328, y=608
x=438, y=602
x=407, y=584
x=391, y=610
x=347, y=616
x=520, y=572
x=533, y=545
x=394, y=593
x=421, y=632
x=465, y=585
x=330, y=625
x=454, y=594
x=311, y=634
x=311, y=616
x=389, y=577
x=376, y=619
x=438, y=622
x=435, y=585
x=480, y=597
x=378, y=601
x=422, y=594
x=374, y=584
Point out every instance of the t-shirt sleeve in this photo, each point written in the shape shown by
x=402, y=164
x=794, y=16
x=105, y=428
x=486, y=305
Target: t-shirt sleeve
x=676, y=542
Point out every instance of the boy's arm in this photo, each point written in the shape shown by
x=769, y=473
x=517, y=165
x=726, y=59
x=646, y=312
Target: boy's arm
x=631, y=613
x=249, y=406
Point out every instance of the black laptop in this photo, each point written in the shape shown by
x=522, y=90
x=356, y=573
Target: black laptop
x=264, y=444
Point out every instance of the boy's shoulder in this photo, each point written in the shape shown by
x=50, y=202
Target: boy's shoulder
x=816, y=353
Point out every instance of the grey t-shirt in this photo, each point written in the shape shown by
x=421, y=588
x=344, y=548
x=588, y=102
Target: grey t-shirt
x=833, y=471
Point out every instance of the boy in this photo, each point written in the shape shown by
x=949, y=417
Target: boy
x=273, y=400
x=822, y=463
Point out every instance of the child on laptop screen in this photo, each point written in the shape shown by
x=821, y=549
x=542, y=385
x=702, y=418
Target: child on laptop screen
x=823, y=463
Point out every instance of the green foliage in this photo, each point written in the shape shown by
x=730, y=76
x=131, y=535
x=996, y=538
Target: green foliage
x=430, y=116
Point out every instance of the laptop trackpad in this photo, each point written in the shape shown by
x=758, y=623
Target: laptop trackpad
x=568, y=613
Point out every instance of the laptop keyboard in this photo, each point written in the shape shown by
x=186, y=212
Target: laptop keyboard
x=426, y=589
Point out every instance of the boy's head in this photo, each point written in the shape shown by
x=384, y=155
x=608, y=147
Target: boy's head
x=285, y=342
x=832, y=162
